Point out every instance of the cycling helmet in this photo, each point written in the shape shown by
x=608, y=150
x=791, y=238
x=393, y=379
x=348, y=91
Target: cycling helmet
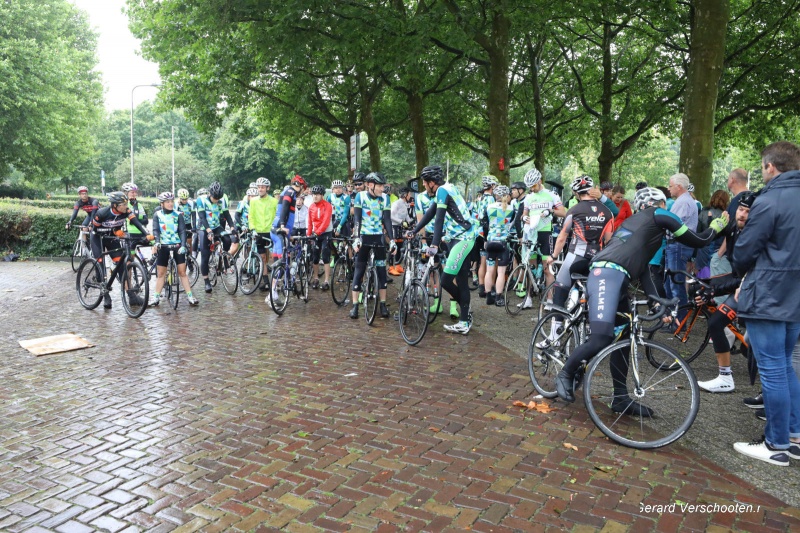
x=387, y=188
x=117, y=197
x=337, y=183
x=582, y=183
x=747, y=199
x=487, y=182
x=317, y=189
x=183, y=194
x=641, y=185
x=690, y=188
x=127, y=187
x=359, y=177
x=518, y=185
x=648, y=197
x=501, y=190
x=261, y=181
x=252, y=191
x=83, y=188
x=432, y=173
x=252, y=184
x=215, y=190
x=200, y=192
x=298, y=180
x=376, y=177
x=164, y=196
x=532, y=177
x=606, y=186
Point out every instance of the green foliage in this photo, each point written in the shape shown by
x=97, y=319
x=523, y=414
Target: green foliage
x=153, y=171
x=34, y=231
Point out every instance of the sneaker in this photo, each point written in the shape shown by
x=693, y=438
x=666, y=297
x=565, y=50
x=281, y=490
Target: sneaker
x=491, y=298
x=384, y=310
x=325, y=286
x=192, y=300
x=756, y=402
x=629, y=407
x=500, y=301
x=794, y=450
x=106, y=301
x=759, y=449
x=391, y=271
x=315, y=284
x=520, y=290
x=354, y=312
x=134, y=299
x=527, y=304
x=482, y=292
x=718, y=384
x=761, y=414
x=461, y=326
x=155, y=302
x=208, y=286
x=399, y=269
x=454, y=313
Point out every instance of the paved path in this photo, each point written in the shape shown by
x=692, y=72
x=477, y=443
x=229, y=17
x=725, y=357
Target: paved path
x=226, y=417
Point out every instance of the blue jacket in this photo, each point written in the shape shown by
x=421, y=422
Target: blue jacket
x=768, y=253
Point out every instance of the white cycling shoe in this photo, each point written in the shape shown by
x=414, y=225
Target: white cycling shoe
x=718, y=384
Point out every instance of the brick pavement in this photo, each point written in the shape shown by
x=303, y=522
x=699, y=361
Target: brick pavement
x=226, y=417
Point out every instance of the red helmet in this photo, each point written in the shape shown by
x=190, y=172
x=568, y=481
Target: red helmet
x=298, y=180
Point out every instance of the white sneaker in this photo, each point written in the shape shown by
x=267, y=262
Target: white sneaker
x=759, y=449
x=556, y=329
x=192, y=300
x=527, y=304
x=718, y=384
x=458, y=327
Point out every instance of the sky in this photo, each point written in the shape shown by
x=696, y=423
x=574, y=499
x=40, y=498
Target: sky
x=118, y=54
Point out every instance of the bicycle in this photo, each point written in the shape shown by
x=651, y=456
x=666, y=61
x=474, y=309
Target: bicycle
x=249, y=263
x=524, y=283
x=343, y=269
x=192, y=268
x=221, y=265
x=419, y=305
x=695, y=319
x=92, y=285
x=289, y=274
x=172, y=282
x=81, y=250
x=369, y=287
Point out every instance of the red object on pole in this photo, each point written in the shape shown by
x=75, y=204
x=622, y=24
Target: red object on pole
x=501, y=164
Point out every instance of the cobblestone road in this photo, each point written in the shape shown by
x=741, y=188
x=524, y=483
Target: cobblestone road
x=226, y=417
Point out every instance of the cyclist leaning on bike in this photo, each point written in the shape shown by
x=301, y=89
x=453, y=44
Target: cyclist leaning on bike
x=625, y=258
x=212, y=210
x=108, y=225
x=320, y=225
x=132, y=191
x=169, y=230
x=259, y=221
x=85, y=203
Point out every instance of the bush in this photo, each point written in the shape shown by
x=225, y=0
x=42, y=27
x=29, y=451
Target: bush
x=34, y=231
x=20, y=191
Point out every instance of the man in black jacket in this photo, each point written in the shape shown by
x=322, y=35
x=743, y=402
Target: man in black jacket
x=768, y=254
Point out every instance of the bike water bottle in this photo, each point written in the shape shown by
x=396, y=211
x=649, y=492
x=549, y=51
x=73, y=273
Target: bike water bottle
x=538, y=272
x=293, y=268
x=574, y=295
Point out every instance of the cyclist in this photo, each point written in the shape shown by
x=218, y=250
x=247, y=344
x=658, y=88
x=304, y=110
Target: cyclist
x=212, y=210
x=341, y=208
x=261, y=213
x=453, y=219
x=88, y=205
x=372, y=216
x=537, y=214
x=138, y=211
x=479, y=253
x=107, y=225
x=422, y=203
x=624, y=258
x=285, y=214
x=497, y=222
x=401, y=221
x=169, y=228
x=242, y=215
x=202, y=191
x=320, y=225
x=358, y=186
x=518, y=193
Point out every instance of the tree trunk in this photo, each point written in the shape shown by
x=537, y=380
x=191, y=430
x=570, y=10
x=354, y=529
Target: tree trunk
x=606, y=158
x=416, y=112
x=538, y=110
x=497, y=102
x=369, y=127
x=706, y=57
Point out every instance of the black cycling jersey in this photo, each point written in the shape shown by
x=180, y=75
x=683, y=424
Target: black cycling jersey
x=288, y=201
x=106, y=221
x=89, y=207
x=640, y=236
x=590, y=221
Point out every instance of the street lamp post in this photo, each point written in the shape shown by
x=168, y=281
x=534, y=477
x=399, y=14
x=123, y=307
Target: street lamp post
x=134, y=88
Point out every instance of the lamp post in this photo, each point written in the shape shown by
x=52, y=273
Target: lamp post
x=132, y=90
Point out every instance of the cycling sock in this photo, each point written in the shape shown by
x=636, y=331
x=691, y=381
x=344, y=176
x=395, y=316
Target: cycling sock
x=189, y=294
x=725, y=371
x=157, y=295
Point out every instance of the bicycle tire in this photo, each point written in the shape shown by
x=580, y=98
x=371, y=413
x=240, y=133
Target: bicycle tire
x=251, y=272
x=696, y=317
x=303, y=278
x=435, y=293
x=192, y=269
x=279, y=298
x=229, y=274
x=89, y=284
x=548, y=351
x=414, y=313
x=135, y=280
x=473, y=285
x=543, y=302
x=371, y=296
x=174, y=283
x=77, y=255
x=673, y=397
x=519, y=286
x=341, y=279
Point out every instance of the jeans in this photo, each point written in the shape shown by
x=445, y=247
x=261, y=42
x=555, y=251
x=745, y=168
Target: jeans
x=677, y=255
x=772, y=343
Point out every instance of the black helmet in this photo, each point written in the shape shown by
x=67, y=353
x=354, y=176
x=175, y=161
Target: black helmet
x=317, y=189
x=641, y=185
x=432, y=173
x=518, y=185
x=747, y=199
x=359, y=177
x=117, y=197
x=215, y=190
x=375, y=177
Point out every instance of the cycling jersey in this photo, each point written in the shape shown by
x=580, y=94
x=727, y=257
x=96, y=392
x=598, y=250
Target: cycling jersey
x=453, y=219
x=498, y=221
x=480, y=205
x=169, y=227
x=287, y=203
x=590, y=222
x=210, y=214
x=319, y=218
x=372, y=213
x=261, y=213
x=106, y=221
x=422, y=203
x=138, y=211
x=242, y=214
x=341, y=209
x=90, y=206
x=537, y=202
x=187, y=210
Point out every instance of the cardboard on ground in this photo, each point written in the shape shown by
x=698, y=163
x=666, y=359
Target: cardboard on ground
x=55, y=344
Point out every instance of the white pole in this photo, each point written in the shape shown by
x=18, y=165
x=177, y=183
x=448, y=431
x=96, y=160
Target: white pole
x=173, y=160
x=134, y=88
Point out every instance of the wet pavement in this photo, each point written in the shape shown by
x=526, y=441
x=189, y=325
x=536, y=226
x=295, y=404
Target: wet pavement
x=226, y=417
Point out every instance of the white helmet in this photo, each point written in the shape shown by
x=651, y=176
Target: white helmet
x=582, y=183
x=532, y=177
x=337, y=183
x=488, y=182
x=501, y=191
x=165, y=197
x=262, y=181
x=648, y=197
x=252, y=191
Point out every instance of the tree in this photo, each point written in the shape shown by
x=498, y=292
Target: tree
x=50, y=95
x=154, y=171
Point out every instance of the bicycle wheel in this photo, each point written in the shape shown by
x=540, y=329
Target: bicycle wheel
x=518, y=290
x=434, y=292
x=77, y=255
x=280, y=293
x=192, y=269
x=543, y=301
x=174, y=283
x=213, y=263
x=303, y=281
x=229, y=273
x=251, y=270
x=414, y=312
x=342, y=278
x=689, y=339
x=135, y=289
x=89, y=284
x=371, y=296
x=550, y=346
x=673, y=397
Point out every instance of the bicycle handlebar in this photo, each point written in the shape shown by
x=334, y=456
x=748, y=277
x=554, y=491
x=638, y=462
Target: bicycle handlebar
x=665, y=304
x=673, y=273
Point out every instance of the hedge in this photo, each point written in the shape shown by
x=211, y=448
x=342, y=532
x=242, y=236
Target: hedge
x=66, y=203
x=34, y=231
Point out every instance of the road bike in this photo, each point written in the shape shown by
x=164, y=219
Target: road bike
x=249, y=263
x=82, y=249
x=420, y=299
x=343, y=270
x=221, y=265
x=290, y=273
x=525, y=283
